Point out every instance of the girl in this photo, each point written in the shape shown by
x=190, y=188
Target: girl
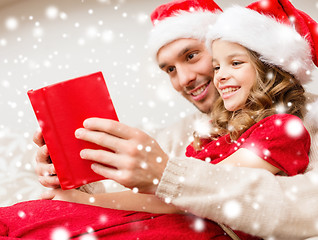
x=256, y=122
x=245, y=119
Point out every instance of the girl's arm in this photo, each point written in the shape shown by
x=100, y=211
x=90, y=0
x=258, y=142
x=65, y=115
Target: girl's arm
x=246, y=158
x=125, y=200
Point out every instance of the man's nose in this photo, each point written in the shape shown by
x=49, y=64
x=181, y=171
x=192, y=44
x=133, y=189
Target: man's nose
x=186, y=76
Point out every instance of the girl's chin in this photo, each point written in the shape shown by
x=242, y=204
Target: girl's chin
x=232, y=108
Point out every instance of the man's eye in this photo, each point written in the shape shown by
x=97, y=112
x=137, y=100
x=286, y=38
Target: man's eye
x=170, y=69
x=191, y=55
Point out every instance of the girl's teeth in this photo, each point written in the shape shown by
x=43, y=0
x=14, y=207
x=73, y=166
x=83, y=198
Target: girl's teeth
x=229, y=89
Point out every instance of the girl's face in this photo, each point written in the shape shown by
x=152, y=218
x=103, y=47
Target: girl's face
x=234, y=73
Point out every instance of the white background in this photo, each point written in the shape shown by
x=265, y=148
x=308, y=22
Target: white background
x=47, y=41
x=44, y=42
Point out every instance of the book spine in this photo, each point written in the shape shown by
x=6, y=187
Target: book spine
x=50, y=132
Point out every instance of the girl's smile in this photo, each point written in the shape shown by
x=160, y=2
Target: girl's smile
x=234, y=73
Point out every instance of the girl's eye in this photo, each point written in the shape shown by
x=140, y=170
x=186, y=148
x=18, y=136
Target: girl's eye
x=216, y=68
x=236, y=63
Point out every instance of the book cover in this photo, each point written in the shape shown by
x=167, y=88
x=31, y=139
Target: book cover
x=60, y=109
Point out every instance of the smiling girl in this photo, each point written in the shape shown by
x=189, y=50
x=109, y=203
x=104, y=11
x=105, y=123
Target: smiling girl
x=256, y=122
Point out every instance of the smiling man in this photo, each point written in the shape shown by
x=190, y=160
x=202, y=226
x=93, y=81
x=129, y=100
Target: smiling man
x=188, y=64
x=263, y=204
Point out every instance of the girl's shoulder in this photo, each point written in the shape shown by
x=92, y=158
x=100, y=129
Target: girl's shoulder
x=278, y=125
x=279, y=120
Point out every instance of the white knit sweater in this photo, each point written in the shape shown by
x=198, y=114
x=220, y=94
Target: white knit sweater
x=251, y=200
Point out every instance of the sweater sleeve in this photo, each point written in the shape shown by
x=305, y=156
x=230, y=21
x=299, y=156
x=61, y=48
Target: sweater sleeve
x=250, y=200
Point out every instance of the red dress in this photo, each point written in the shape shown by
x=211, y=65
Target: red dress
x=281, y=140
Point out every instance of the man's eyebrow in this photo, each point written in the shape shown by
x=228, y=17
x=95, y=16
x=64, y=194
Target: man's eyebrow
x=181, y=52
x=162, y=65
x=184, y=51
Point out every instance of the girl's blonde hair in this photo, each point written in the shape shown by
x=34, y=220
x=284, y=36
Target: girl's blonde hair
x=274, y=89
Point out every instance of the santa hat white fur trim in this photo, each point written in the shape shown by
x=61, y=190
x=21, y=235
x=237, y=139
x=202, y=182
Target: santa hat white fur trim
x=278, y=44
x=182, y=25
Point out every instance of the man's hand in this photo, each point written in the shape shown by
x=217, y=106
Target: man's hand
x=44, y=167
x=137, y=161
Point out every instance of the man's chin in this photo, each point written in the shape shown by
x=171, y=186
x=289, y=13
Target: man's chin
x=202, y=108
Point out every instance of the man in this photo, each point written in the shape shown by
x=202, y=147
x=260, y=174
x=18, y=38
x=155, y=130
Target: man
x=251, y=200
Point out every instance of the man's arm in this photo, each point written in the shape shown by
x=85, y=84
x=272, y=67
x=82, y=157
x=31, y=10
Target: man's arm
x=251, y=200
x=124, y=200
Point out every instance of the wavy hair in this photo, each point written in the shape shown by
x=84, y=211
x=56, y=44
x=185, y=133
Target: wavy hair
x=274, y=91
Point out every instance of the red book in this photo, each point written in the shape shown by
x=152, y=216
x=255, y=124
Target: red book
x=61, y=109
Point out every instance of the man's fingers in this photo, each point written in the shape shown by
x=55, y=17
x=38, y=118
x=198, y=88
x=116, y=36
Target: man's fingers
x=42, y=155
x=45, y=170
x=38, y=138
x=50, y=181
x=50, y=194
x=106, y=172
x=101, y=139
x=101, y=156
x=111, y=127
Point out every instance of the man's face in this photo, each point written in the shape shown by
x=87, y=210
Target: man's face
x=189, y=66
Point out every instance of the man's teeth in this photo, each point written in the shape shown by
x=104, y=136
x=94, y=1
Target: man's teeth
x=229, y=89
x=199, y=91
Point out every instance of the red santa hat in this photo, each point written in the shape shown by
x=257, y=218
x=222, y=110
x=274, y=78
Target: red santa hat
x=181, y=19
x=283, y=35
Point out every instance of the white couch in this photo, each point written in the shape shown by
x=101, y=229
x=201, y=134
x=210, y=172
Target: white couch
x=18, y=180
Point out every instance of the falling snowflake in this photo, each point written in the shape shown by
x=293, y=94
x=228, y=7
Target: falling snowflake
x=52, y=12
x=294, y=128
x=12, y=23
x=199, y=225
x=232, y=209
x=202, y=126
x=88, y=237
x=264, y=3
x=60, y=234
x=21, y=214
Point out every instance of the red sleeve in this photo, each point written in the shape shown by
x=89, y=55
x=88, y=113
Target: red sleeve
x=281, y=140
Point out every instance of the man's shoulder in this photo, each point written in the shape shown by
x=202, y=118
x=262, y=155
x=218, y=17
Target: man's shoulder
x=189, y=121
x=311, y=109
x=177, y=136
x=311, y=97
